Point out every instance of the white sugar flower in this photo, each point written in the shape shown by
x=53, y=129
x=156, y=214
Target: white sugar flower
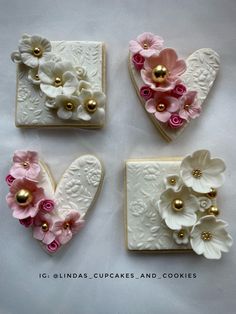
x=66, y=107
x=83, y=85
x=32, y=50
x=80, y=72
x=91, y=103
x=33, y=76
x=178, y=208
x=173, y=181
x=181, y=236
x=209, y=237
x=202, y=173
x=204, y=203
x=57, y=78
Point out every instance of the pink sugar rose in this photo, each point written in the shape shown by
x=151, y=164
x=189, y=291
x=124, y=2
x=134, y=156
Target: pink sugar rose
x=162, y=106
x=146, y=44
x=27, y=222
x=9, y=179
x=43, y=228
x=138, y=61
x=25, y=165
x=28, y=195
x=65, y=228
x=175, y=121
x=53, y=246
x=46, y=205
x=174, y=68
x=190, y=107
x=179, y=90
x=146, y=92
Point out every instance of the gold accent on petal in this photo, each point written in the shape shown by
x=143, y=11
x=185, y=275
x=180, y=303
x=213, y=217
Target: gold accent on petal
x=45, y=227
x=206, y=236
x=69, y=106
x=145, y=46
x=66, y=225
x=23, y=197
x=37, y=52
x=25, y=164
x=161, y=107
x=58, y=81
x=159, y=73
x=177, y=205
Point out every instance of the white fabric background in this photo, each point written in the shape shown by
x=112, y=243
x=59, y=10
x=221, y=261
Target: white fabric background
x=185, y=25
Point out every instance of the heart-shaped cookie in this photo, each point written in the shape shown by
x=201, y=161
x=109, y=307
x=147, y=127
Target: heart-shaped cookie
x=170, y=89
x=55, y=212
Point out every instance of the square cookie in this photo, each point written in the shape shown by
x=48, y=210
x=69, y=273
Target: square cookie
x=59, y=83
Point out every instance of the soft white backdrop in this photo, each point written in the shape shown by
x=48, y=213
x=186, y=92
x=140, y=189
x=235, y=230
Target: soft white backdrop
x=185, y=25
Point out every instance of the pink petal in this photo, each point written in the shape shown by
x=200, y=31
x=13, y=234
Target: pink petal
x=38, y=233
x=179, y=68
x=162, y=116
x=150, y=106
x=168, y=58
x=19, y=156
x=65, y=237
x=134, y=46
x=48, y=237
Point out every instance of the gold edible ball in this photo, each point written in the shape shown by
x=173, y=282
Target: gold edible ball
x=24, y=197
x=37, y=52
x=45, y=227
x=172, y=181
x=66, y=225
x=58, y=81
x=91, y=105
x=69, y=106
x=181, y=234
x=161, y=107
x=212, y=193
x=159, y=73
x=177, y=205
x=213, y=210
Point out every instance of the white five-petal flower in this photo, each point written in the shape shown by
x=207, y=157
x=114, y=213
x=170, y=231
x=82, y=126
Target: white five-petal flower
x=67, y=107
x=181, y=236
x=173, y=181
x=57, y=78
x=202, y=173
x=178, y=208
x=209, y=237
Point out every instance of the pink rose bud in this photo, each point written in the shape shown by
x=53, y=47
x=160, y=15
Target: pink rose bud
x=9, y=179
x=46, y=205
x=179, y=90
x=138, y=61
x=53, y=246
x=175, y=121
x=146, y=92
x=27, y=222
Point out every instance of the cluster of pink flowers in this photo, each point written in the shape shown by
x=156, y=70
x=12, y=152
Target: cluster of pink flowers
x=31, y=207
x=166, y=97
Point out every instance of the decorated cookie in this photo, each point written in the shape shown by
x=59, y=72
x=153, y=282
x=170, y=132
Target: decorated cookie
x=55, y=213
x=59, y=83
x=172, y=205
x=171, y=90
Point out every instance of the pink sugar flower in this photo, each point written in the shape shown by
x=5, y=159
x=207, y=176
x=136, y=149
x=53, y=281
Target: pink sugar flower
x=23, y=198
x=146, y=44
x=27, y=222
x=190, y=107
x=162, y=106
x=138, y=61
x=9, y=179
x=46, y=205
x=146, y=92
x=43, y=228
x=175, y=121
x=53, y=246
x=161, y=72
x=64, y=229
x=25, y=165
x=179, y=90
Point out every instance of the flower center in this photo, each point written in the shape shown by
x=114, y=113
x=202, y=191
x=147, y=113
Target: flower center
x=172, y=181
x=213, y=210
x=37, y=52
x=45, y=227
x=186, y=106
x=161, y=107
x=212, y=193
x=37, y=77
x=159, y=73
x=23, y=197
x=181, y=234
x=66, y=225
x=69, y=106
x=145, y=46
x=25, y=164
x=177, y=205
x=91, y=105
x=197, y=173
x=58, y=81
x=206, y=236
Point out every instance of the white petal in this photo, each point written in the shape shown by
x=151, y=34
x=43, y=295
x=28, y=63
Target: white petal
x=51, y=91
x=46, y=72
x=70, y=83
x=100, y=98
x=29, y=59
x=64, y=114
x=85, y=95
x=82, y=114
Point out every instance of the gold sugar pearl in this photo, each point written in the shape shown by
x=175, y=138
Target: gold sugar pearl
x=58, y=81
x=172, y=181
x=159, y=73
x=177, y=205
x=69, y=106
x=45, y=227
x=213, y=210
x=181, y=234
x=186, y=106
x=197, y=173
x=161, y=107
x=66, y=225
x=145, y=46
x=37, y=52
x=91, y=106
x=212, y=193
x=25, y=164
x=206, y=236
x=37, y=77
x=23, y=197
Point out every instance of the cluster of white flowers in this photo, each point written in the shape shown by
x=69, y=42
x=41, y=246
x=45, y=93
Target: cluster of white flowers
x=68, y=92
x=185, y=203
